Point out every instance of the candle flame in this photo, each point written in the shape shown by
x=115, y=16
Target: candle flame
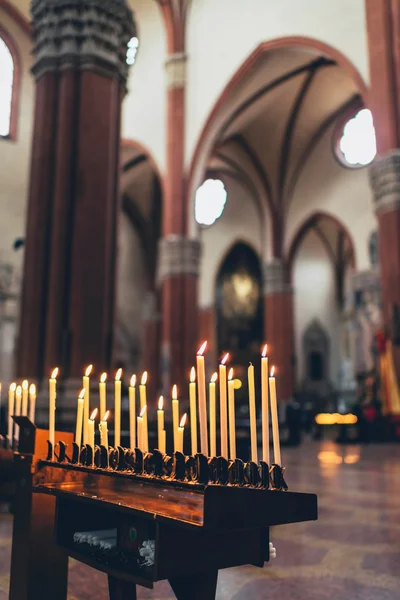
x=214, y=378
x=88, y=370
x=143, y=410
x=192, y=375
x=144, y=378
x=106, y=416
x=201, y=349
x=160, y=402
x=230, y=374
x=133, y=381
x=265, y=350
x=183, y=421
x=174, y=393
x=32, y=389
x=54, y=373
x=18, y=391
x=93, y=415
x=82, y=394
x=103, y=378
x=13, y=387
x=223, y=361
x=118, y=375
x=272, y=372
x=25, y=384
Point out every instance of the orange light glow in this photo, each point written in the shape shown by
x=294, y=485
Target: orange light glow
x=118, y=375
x=272, y=372
x=192, y=375
x=144, y=378
x=174, y=393
x=223, y=361
x=18, y=391
x=25, y=384
x=214, y=378
x=143, y=411
x=103, y=378
x=183, y=421
x=133, y=381
x=202, y=349
x=106, y=416
x=93, y=415
x=161, y=403
x=32, y=389
x=54, y=373
x=265, y=350
x=230, y=374
x=88, y=370
x=13, y=387
x=82, y=394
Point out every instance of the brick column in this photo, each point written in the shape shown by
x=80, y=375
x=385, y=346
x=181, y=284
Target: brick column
x=385, y=182
x=178, y=256
x=179, y=262
x=279, y=324
x=68, y=296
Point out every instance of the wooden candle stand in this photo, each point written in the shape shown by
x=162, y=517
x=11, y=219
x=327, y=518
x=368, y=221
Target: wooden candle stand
x=136, y=528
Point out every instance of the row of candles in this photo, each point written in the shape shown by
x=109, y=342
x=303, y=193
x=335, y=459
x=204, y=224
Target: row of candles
x=200, y=412
x=21, y=402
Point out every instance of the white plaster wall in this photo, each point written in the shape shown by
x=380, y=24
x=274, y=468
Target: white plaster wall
x=15, y=155
x=223, y=33
x=240, y=221
x=314, y=298
x=143, y=115
x=131, y=282
x=325, y=185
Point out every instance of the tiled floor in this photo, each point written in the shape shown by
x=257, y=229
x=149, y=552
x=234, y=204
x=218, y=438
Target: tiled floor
x=351, y=553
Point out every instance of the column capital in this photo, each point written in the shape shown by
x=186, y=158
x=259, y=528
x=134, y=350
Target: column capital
x=275, y=278
x=81, y=34
x=178, y=256
x=175, y=70
x=385, y=182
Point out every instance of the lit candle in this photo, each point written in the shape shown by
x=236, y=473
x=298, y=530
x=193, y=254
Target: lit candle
x=32, y=402
x=103, y=428
x=213, y=417
x=193, y=410
x=232, y=426
x=175, y=415
x=264, y=406
x=160, y=425
x=103, y=393
x=181, y=429
x=143, y=403
x=132, y=412
x=140, y=428
x=52, y=408
x=79, y=417
x=91, y=428
x=201, y=385
x=223, y=414
x=11, y=400
x=86, y=406
x=274, y=418
x=24, y=408
x=117, y=408
x=253, y=420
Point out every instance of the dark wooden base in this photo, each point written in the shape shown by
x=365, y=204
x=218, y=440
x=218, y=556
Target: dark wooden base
x=194, y=587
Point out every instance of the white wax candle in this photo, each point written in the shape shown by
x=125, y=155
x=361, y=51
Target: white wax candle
x=232, y=423
x=132, y=412
x=175, y=416
x=143, y=403
x=17, y=409
x=201, y=387
x=265, y=406
x=32, y=402
x=79, y=418
x=91, y=430
x=52, y=409
x=181, y=430
x=117, y=409
x=103, y=428
x=160, y=425
x=213, y=417
x=24, y=407
x=193, y=411
x=223, y=407
x=252, y=410
x=274, y=419
x=11, y=400
x=103, y=394
x=140, y=428
x=86, y=406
